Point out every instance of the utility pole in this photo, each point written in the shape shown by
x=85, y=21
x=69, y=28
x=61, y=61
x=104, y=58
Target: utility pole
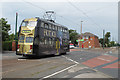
x=81, y=27
x=16, y=30
x=81, y=34
x=16, y=27
x=103, y=38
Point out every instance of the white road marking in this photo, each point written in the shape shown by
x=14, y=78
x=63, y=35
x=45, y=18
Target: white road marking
x=76, y=63
x=70, y=60
x=80, y=58
x=104, y=59
x=21, y=59
x=60, y=71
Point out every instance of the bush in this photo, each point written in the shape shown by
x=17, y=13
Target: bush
x=7, y=45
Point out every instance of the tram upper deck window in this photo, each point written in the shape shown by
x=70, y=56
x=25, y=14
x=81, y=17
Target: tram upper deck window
x=42, y=24
x=66, y=30
x=59, y=29
x=46, y=26
x=56, y=28
x=53, y=27
x=29, y=23
x=50, y=26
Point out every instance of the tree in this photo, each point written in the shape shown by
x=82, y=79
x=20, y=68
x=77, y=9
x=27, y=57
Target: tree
x=73, y=36
x=101, y=41
x=106, y=40
x=12, y=36
x=5, y=29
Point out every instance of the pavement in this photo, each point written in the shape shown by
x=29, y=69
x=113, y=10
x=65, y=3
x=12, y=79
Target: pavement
x=78, y=63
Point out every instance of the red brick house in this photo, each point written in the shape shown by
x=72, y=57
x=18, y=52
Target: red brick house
x=88, y=40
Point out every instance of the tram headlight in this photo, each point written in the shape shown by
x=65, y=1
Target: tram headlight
x=30, y=50
x=17, y=49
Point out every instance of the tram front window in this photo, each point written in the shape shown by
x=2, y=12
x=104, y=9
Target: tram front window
x=29, y=39
x=29, y=23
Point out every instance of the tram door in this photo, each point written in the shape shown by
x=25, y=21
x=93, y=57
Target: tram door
x=20, y=45
x=58, y=47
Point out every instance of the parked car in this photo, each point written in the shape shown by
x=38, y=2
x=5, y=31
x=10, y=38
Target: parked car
x=71, y=46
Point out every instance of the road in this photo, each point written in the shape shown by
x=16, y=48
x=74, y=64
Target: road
x=78, y=63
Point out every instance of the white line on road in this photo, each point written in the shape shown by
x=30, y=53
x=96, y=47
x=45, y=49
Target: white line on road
x=70, y=60
x=76, y=63
x=59, y=71
x=104, y=59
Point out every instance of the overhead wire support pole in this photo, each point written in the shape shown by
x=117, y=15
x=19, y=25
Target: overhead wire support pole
x=16, y=27
x=81, y=27
x=16, y=30
x=103, y=38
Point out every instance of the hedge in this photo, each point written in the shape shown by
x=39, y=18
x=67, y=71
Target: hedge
x=7, y=45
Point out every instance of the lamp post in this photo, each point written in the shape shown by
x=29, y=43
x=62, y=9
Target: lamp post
x=81, y=27
x=16, y=30
x=81, y=34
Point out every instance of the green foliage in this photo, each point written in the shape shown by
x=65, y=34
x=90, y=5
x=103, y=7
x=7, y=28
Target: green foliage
x=106, y=40
x=101, y=41
x=73, y=36
x=5, y=29
x=7, y=45
x=12, y=37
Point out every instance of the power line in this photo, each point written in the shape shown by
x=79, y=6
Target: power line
x=46, y=10
x=84, y=14
x=34, y=5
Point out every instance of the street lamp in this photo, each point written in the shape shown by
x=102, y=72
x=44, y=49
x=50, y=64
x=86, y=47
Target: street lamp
x=81, y=33
x=81, y=27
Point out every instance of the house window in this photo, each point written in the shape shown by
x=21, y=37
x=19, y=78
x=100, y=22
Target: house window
x=86, y=37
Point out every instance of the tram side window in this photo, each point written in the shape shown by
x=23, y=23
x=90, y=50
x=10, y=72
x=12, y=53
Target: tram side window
x=42, y=24
x=62, y=29
x=50, y=41
x=21, y=39
x=36, y=40
x=53, y=27
x=53, y=42
x=45, y=42
x=46, y=26
x=50, y=26
x=42, y=41
x=56, y=28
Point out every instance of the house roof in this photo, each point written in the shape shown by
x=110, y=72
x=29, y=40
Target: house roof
x=87, y=34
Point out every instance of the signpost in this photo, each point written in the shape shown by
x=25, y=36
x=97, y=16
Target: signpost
x=80, y=40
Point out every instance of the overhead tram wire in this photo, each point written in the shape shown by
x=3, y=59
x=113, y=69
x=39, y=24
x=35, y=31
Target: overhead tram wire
x=34, y=5
x=84, y=14
x=46, y=10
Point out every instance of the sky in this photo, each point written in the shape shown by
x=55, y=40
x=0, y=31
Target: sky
x=96, y=15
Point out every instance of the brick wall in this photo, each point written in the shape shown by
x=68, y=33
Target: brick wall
x=92, y=42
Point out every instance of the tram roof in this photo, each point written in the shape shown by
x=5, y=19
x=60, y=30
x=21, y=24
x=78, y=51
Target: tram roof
x=52, y=22
x=35, y=19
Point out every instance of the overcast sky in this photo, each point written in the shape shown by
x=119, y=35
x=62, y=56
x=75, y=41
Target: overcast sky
x=96, y=16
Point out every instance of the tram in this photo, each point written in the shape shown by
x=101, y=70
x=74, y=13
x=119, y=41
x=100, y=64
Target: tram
x=39, y=37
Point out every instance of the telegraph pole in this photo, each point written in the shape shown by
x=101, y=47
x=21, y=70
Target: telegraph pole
x=16, y=27
x=81, y=27
x=16, y=30
x=103, y=38
x=81, y=34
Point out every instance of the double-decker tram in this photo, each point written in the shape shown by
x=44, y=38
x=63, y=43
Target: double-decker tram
x=42, y=37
